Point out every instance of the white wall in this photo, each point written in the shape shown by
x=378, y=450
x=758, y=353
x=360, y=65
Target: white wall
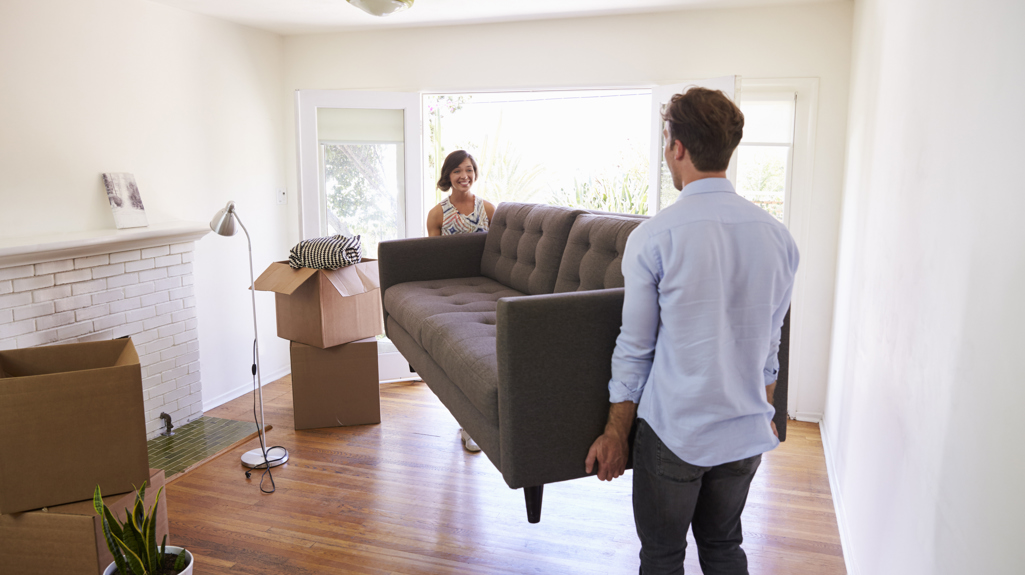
x=641, y=50
x=189, y=104
x=923, y=426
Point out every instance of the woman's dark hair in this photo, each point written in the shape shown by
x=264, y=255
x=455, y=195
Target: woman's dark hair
x=708, y=124
x=452, y=162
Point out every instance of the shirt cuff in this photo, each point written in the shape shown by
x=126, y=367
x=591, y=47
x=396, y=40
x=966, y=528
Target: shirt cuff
x=620, y=392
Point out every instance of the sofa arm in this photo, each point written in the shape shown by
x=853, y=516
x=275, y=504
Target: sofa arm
x=434, y=258
x=554, y=366
x=419, y=259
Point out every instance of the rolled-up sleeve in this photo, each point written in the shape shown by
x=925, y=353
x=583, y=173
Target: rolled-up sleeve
x=635, y=347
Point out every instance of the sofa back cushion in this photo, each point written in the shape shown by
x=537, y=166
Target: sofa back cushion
x=593, y=258
x=525, y=245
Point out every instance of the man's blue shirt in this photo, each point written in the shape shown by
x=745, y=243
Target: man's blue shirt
x=708, y=282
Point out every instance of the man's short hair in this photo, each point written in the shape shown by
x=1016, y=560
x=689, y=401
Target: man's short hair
x=708, y=124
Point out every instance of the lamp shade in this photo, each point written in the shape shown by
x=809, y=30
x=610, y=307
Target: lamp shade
x=223, y=222
x=381, y=7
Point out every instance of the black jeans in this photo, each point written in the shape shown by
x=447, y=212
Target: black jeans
x=670, y=495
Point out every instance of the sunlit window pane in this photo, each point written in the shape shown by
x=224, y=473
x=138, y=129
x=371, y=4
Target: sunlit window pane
x=762, y=176
x=669, y=192
x=362, y=192
x=768, y=121
x=586, y=149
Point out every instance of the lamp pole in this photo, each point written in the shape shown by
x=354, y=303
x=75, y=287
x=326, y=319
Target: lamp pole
x=223, y=224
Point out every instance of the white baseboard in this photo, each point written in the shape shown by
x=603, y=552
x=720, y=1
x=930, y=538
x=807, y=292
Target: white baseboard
x=809, y=416
x=391, y=367
x=246, y=387
x=838, y=505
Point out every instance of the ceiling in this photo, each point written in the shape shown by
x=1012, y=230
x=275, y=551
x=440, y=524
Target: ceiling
x=313, y=16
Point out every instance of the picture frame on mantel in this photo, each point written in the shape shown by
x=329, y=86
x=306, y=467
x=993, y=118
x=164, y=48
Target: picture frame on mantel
x=125, y=200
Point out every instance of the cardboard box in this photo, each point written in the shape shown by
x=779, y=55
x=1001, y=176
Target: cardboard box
x=71, y=417
x=68, y=539
x=335, y=386
x=325, y=308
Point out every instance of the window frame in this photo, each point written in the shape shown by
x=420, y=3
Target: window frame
x=798, y=208
x=768, y=95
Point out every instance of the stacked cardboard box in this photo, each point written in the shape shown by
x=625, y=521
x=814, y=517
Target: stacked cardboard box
x=332, y=318
x=68, y=539
x=71, y=418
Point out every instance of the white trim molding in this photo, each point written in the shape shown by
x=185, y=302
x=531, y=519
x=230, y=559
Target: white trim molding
x=838, y=505
x=245, y=388
x=32, y=250
x=799, y=203
x=809, y=416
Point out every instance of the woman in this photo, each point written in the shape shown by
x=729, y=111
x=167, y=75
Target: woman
x=460, y=213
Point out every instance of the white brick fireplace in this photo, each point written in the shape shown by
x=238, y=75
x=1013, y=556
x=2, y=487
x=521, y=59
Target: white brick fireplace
x=109, y=284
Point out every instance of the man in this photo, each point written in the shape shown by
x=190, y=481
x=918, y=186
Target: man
x=708, y=282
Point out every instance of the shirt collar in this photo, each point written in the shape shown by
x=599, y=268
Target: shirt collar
x=705, y=186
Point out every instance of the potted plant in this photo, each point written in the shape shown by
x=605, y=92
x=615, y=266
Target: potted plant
x=133, y=542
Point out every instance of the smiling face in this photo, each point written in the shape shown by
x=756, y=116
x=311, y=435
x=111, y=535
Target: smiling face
x=463, y=176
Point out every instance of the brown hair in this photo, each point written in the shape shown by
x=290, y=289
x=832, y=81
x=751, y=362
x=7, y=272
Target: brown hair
x=452, y=162
x=708, y=124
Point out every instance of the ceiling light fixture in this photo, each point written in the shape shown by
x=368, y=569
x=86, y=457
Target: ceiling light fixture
x=381, y=7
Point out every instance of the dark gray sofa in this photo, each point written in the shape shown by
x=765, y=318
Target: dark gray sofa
x=514, y=331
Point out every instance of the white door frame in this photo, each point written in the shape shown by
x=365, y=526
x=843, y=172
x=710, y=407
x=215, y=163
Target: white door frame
x=810, y=314
x=307, y=102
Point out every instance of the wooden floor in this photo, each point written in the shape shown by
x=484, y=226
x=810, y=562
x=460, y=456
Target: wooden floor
x=404, y=497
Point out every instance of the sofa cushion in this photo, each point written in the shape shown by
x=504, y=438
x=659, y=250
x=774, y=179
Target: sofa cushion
x=453, y=320
x=525, y=245
x=594, y=253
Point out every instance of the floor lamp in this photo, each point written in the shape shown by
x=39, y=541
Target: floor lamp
x=223, y=223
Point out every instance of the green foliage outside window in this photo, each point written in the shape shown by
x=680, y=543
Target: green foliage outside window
x=358, y=195
x=762, y=179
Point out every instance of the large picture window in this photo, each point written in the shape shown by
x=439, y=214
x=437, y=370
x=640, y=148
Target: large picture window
x=585, y=149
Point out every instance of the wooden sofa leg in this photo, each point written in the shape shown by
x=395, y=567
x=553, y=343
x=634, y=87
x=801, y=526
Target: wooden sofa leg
x=533, y=497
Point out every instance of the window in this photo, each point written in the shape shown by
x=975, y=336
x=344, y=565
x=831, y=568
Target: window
x=766, y=154
x=586, y=149
x=362, y=192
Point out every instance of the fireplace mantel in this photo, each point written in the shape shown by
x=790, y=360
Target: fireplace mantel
x=105, y=284
x=37, y=249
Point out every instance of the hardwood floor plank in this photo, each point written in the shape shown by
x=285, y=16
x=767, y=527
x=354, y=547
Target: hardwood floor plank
x=404, y=497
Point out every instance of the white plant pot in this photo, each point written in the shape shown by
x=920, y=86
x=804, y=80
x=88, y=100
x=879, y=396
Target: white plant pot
x=171, y=549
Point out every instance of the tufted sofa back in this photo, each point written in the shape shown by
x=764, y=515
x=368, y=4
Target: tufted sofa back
x=594, y=252
x=525, y=245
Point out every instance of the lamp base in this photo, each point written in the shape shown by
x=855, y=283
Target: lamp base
x=275, y=456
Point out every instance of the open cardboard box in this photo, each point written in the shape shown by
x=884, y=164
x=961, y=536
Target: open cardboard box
x=335, y=386
x=68, y=539
x=71, y=417
x=325, y=308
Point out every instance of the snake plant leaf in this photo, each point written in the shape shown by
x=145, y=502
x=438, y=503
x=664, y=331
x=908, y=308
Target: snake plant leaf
x=136, y=545
x=179, y=563
x=135, y=562
x=138, y=513
x=138, y=538
x=115, y=525
x=133, y=542
x=103, y=512
x=150, y=534
x=108, y=526
x=127, y=554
